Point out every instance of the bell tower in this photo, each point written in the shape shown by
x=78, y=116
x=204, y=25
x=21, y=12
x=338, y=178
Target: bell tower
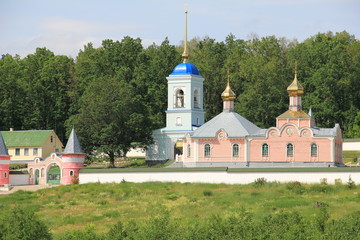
x=185, y=111
x=185, y=94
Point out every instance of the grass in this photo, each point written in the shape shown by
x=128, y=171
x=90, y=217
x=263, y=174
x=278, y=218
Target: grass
x=75, y=206
x=350, y=156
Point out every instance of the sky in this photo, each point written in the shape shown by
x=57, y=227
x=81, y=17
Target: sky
x=65, y=26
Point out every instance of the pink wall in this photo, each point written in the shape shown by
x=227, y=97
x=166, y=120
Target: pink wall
x=277, y=142
x=221, y=149
x=4, y=170
x=67, y=177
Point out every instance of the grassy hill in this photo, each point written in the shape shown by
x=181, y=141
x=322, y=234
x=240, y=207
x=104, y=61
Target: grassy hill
x=100, y=206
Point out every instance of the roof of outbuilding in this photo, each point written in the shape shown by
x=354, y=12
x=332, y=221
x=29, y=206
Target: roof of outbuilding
x=231, y=122
x=26, y=138
x=73, y=144
x=3, y=148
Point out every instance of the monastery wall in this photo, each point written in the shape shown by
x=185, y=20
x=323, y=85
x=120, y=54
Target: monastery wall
x=218, y=177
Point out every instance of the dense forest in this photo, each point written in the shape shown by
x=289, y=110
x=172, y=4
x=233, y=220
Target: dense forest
x=115, y=94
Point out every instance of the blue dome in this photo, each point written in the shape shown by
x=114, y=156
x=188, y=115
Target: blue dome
x=185, y=69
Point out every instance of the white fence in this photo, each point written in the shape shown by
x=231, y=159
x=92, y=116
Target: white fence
x=218, y=177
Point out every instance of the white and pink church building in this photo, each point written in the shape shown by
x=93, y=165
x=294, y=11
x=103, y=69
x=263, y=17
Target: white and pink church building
x=231, y=140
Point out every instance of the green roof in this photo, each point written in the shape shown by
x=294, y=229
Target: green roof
x=28, y=138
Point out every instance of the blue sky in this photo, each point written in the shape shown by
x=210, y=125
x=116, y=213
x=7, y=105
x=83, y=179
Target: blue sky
x=65, y=26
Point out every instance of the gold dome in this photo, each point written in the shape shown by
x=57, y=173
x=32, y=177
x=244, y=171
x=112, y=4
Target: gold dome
x=228, y=94
x=295, y=87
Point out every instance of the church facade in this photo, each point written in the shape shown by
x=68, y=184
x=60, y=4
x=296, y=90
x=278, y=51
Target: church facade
x=232, y=141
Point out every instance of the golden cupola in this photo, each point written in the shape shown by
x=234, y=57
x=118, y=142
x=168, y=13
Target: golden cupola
x=295, y=88
x=228, y=94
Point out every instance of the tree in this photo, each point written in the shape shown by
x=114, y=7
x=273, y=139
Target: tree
x=111, y=118
x=21, y=223
x=11, y=92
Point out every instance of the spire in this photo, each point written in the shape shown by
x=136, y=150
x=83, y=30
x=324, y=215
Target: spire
x=228, y=97
x=185, y=54
x=73, y=145
x=295, y=87
x=310, y=113
x=3, y=148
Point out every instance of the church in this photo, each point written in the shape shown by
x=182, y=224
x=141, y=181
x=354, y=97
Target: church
x=230, y=140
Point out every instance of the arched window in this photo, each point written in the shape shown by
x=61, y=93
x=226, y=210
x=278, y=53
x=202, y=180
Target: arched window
x=289, y=150
x=265, y=150
x=5, y=174
x=196, y=98
x=188, y=150
x=179, y=98
x=314, y=150
x=235, y=150
x=207, y=150
x=71, y=173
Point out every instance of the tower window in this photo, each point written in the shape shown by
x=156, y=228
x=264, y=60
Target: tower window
x=235, y=150
x=179, y=98
x=314, y=150
x=265, y=150
x=178, y=121
x=71, y=173
x=207, y=150
x=289, y=150
x=196, y=98
x=188, y=150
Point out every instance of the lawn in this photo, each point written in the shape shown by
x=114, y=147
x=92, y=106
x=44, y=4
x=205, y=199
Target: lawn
x=66, y=208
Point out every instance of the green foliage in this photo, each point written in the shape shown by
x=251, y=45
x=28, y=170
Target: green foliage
x=208, y=193
x=21, y=223
x=259, y=182
x=182, y=211
x=350, y=183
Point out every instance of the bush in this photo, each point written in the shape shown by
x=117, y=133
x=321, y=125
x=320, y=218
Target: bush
x=21, y=223
x=207, y=193
x=351, y=184
x=295, y=187
x=259, y=182
x=338, y=181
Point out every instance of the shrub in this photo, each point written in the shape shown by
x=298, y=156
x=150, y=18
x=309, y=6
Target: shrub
x=23, y=224
x=75, y=180
x=323, y=181
x=350, y=183
x=338, y=181
x=296, y=187
x=207, y=193
x=259, y=182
